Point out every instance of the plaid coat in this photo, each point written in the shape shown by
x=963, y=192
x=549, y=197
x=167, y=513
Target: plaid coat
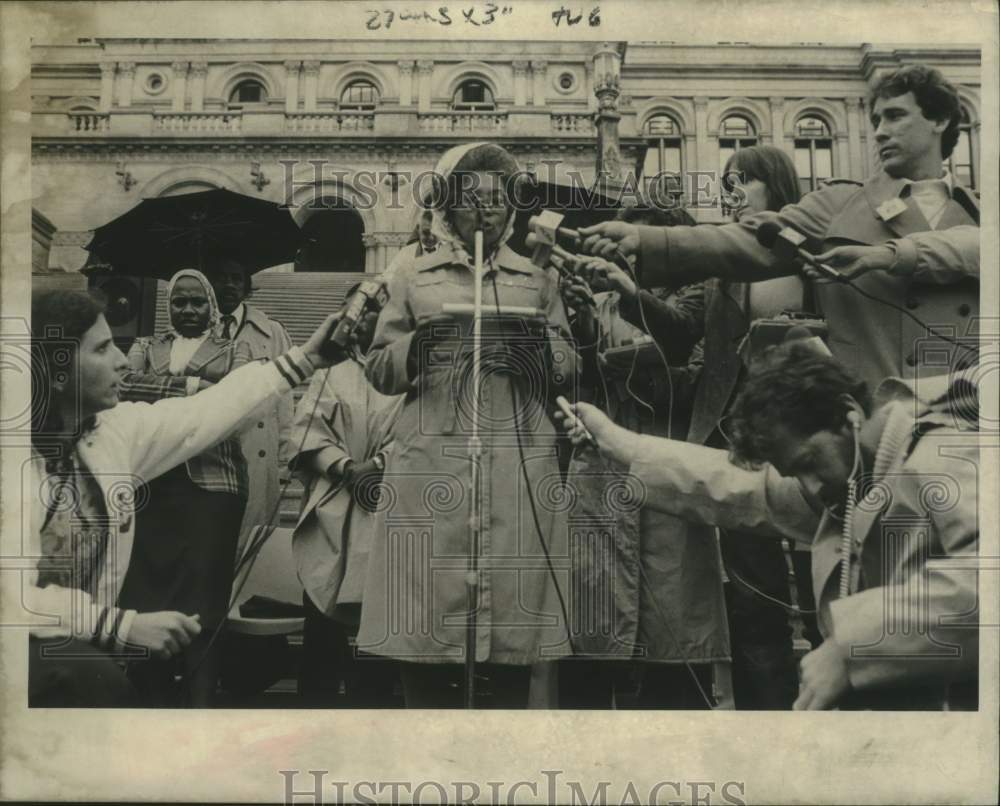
x=222, y=467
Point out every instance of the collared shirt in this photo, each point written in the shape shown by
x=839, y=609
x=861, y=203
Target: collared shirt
x=931, y=196
x=239, y=314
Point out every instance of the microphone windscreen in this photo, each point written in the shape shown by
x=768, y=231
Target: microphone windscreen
x=801, y=335
x=767, y=233
x=798, y=332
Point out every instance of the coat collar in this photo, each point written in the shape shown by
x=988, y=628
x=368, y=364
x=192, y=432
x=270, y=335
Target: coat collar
x=210, y=349
x=884, y=192
x=257, y=318
x=505, y=258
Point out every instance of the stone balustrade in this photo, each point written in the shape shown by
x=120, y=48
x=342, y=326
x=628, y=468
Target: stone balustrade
x=329, y=123
x=464, y=122
x=88, y=122
x=197, y=123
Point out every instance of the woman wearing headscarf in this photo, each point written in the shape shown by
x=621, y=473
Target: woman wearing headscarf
x=415, y=603
x=186, y=535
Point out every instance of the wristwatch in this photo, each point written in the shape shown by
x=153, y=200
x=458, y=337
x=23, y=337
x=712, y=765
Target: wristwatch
x=379, y=461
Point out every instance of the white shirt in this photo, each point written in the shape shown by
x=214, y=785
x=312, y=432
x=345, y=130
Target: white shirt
x=931, y=196
x=182, y=350
x=239, y=313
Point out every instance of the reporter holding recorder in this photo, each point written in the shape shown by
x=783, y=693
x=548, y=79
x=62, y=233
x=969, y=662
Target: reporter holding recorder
x=415, y=600
x=909, y=235
x=89, y=454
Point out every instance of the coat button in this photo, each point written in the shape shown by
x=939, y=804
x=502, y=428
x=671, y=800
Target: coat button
x=262, y=454
x=912, y=302
x=964, y=309
x=911, y=360
x=260, y=425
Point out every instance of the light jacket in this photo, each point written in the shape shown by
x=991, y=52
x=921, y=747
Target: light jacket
x=935, y=274
x=131, y=444
x=340, y=417
x=911, y=614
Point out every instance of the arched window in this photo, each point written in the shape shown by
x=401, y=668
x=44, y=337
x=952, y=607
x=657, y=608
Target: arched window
x=813, y=152
x=735, y=132
x=664, y=146
x=249, y=91
x=360, y=95
x=962, y=162
x=473, y=95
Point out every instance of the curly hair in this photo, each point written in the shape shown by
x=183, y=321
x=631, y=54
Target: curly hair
x=935, y=95
x=797, y=388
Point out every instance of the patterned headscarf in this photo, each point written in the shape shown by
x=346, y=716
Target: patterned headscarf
x=440, y=227
x=213, y=305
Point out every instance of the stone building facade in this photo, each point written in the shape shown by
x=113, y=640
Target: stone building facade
x=339, y=130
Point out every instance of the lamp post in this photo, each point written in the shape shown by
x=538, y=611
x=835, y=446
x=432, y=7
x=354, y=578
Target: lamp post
x=607, y=74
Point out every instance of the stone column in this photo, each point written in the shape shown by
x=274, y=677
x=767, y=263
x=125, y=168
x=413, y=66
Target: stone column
x=591, y=95
x=520, y=82
x=777, y=122
x=405, y=82
x=310, y=70
x=292, y=86
x=857, y=165
x=126, y=77
x=426, y=67
x=842, y=155
x=368, y=240
x=538, y=71
x=198, y=72
x=107, y=86
x=704, y=161
x=180, y=85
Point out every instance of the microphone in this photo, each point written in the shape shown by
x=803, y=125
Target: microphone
x=368, y=295
x=786, y=243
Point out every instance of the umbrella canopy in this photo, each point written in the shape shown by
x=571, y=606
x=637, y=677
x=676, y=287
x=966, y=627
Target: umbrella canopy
x=159, y=236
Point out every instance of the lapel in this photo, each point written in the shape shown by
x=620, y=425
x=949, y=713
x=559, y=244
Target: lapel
x=880, y=193
x=159, y=354
x=962, y=209
x=208, y=351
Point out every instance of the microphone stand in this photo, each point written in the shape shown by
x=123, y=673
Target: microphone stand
x=475, y=451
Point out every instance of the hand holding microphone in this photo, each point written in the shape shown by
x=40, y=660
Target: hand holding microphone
x=787, y=244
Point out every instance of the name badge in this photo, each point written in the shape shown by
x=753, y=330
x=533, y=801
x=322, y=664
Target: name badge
x=888, y=210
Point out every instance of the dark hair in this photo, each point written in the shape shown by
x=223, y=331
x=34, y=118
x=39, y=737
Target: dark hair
x=793, y=386
x=656, y=216
x=58, y=321
x=935, y=95
x=216, y=262
x=770, y=165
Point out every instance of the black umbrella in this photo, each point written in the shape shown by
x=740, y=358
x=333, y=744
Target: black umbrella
x=157, y=237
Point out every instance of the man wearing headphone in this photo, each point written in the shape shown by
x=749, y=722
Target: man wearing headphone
x=883, y=490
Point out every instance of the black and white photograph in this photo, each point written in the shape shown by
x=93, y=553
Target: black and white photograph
x=624, y=373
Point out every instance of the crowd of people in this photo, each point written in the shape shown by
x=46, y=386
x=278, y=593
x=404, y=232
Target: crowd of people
x=462, y=532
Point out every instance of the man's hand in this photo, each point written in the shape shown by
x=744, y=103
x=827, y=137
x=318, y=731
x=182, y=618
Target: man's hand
x=852, y=261
x=314, y=347
x=576, y=294
x=164, y=633
x=611, y=238
x=824, y=677
x=362, y=480
x=620, y=444
x=612, y=277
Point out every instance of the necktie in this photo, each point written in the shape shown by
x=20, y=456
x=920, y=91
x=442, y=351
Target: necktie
x=228, y=320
